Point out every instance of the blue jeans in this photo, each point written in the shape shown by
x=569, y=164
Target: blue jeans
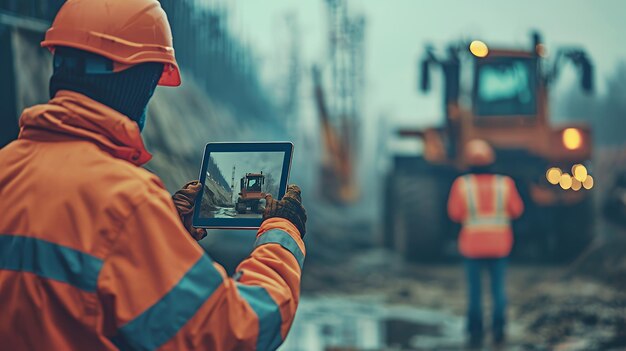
x=497, y=272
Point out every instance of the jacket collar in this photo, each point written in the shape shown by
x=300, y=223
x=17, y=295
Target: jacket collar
x=70, y=115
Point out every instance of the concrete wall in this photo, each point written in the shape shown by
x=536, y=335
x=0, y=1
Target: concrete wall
x=25, y=71
x=33, y=68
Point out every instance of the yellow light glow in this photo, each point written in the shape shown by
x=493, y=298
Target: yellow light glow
x=588, y=183
x=554, y=175
x=580, y=172
x=572, y=138
x=541, y=50
x=576, y=184
x=479, y=48
x=566, y=181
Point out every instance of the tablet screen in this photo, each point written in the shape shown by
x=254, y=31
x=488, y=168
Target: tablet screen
x=235, y=184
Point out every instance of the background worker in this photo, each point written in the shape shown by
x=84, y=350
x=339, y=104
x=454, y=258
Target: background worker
x=485, y=203
x=94, y=253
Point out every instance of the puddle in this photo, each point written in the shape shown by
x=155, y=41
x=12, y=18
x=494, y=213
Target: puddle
x=368, y=324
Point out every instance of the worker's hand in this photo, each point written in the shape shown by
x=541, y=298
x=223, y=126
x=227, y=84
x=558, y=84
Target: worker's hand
x=184, y=200
x=289, y=208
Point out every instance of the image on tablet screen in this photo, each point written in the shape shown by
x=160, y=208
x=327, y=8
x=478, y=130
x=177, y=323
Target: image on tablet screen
x=237, y=182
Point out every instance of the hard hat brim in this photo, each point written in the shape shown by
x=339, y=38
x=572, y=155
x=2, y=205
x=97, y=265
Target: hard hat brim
x=126, y=53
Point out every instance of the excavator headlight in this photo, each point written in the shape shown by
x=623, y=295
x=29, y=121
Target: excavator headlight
x=479, y=48
x=554, y=175
x=572, y=138
x=566, y=181
x=580, y=172
x=588, y=183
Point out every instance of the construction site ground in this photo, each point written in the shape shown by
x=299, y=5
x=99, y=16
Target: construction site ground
x=421, y=307
x=358, y=297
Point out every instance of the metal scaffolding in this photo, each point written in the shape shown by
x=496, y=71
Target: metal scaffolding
x=346, y=50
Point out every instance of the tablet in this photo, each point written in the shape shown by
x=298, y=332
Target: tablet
x=235, y=179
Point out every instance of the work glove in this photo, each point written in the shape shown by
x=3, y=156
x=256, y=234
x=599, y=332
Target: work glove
x=184, y=200
x=289, y=208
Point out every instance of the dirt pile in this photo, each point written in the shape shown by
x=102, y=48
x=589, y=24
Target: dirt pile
x=180, y=122
x=214, y=197
x=605, y=262
x=587, y=317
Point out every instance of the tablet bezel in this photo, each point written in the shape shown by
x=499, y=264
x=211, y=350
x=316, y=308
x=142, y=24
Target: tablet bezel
x=240, y=223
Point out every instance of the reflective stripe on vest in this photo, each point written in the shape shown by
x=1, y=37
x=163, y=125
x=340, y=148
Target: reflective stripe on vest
x=162, y=321
x=268, y=314
x=50, y=261
x=280, y=237
x=159, y=323
x=476, y=219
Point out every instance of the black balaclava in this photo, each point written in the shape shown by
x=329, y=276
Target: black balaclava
x=127, y=92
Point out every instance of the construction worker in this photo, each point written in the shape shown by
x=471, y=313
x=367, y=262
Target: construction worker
x=485, y=203
x=94, y=253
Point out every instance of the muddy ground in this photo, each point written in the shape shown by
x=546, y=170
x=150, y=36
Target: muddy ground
x=356, y=297
x=550, y=307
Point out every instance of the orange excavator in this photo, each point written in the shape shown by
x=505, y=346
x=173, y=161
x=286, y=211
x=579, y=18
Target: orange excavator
x=498, y=94
x=251, y=193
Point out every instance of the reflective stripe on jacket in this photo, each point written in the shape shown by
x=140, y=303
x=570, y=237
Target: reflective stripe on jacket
x=93, y=255
x=485, y=205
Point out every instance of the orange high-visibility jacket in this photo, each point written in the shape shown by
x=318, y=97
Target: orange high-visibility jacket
x=485, y=205
x=93, y=255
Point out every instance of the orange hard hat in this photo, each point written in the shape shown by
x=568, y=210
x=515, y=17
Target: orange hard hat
x=479, y=153
x=128, y=32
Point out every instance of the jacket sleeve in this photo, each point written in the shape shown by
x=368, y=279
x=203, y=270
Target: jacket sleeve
x=514, y=204
x=159, y=290
x=457, y=207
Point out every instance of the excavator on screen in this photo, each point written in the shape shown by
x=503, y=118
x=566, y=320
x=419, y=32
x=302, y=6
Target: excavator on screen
x=251, y=193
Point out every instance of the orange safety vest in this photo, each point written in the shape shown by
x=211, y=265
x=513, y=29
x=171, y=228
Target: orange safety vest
x=485, y=205
x=93, y=255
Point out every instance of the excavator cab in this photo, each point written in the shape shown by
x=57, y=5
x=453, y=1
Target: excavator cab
x=505, y=86
x=251, y=193
x=252, y=183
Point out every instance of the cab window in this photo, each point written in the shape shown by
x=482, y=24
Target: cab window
x=505, y=87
